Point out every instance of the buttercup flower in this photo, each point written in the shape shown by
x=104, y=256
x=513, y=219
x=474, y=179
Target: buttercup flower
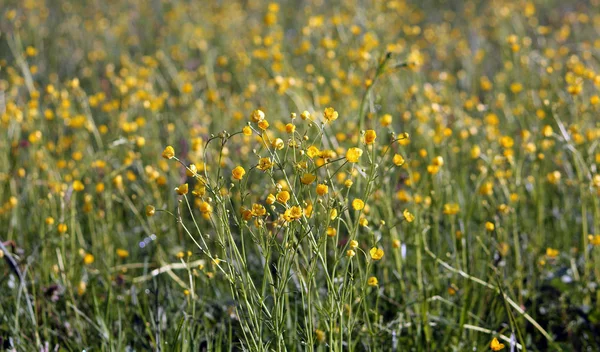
x=168, y=153
x=372, y=281
x=376, y=253
x=330, y=115
x=370, y=136
x=353, y=154
x=358, y=204
x=238, y=172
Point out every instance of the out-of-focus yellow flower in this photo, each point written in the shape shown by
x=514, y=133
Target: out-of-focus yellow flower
x=122, y=253
x=320, y=334
x=451, y=208
x=398, y=160
x=331, y=232
x=88, y=259
x=247, y=131
x=308, y=178
x=552, y=253
x=372, y=281
x=353, y=244
x=358, y=204
x=353, y=154
x=330, y=114
x=408, y=216
x=182, y=189
x=490, y=226
x=257, y=115
x=191, y=170
x=376, y=253
x=322, y=189
x=78, y=186
x=495, y=345
x=238, y=172
x=62, y=228
x=150, y=210
x=370, y=136
x=554, y=177
x=350, y=253
x=168, y=153
x=263, y=125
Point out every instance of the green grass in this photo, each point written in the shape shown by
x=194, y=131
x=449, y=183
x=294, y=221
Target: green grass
x=482, y=186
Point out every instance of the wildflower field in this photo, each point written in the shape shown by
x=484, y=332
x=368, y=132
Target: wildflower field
x=308, y=175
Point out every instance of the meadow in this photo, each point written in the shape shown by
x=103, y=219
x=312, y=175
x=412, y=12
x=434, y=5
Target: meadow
x=302, y=175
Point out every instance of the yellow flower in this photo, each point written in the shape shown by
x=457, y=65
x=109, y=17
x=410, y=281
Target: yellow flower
x=305, y=115
x=370, y=136
x=122, y=253
x=594, y=240
x=307, y=178
x=330, y=114
x=258, y=210
x=290, y=128
x=554, y=177
x=191, y=170
x=283, y=197
x=270, y=199
x=333, y=214
x=182, y=189
x=363, y=222
x=322, y=189
x=257, y=115
x=320, y=334
x=312, y=151
x=205, y=208
x=358, y=204
x=350, y=253
x=78, y=186
x=475, y=152
x=552, y=253
x=408, y=216
x=278, y=144
x=293, y=213
x=451, y=208
x=385, y=120
x=489, y=226
x=263, y=124
x=353, y=244
x=486, y=189
x=49, y=220
x=150, y=210
x=398, y=160
x=376, y=253
x=331, y=232
x=88, y=259
x=353, y=154
x=62, y=228
x=247, y=131
x=81, y=288
x=495, y=345
x=372, y=281
x=168, y=153
x=238, y=172
x=264, y=164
